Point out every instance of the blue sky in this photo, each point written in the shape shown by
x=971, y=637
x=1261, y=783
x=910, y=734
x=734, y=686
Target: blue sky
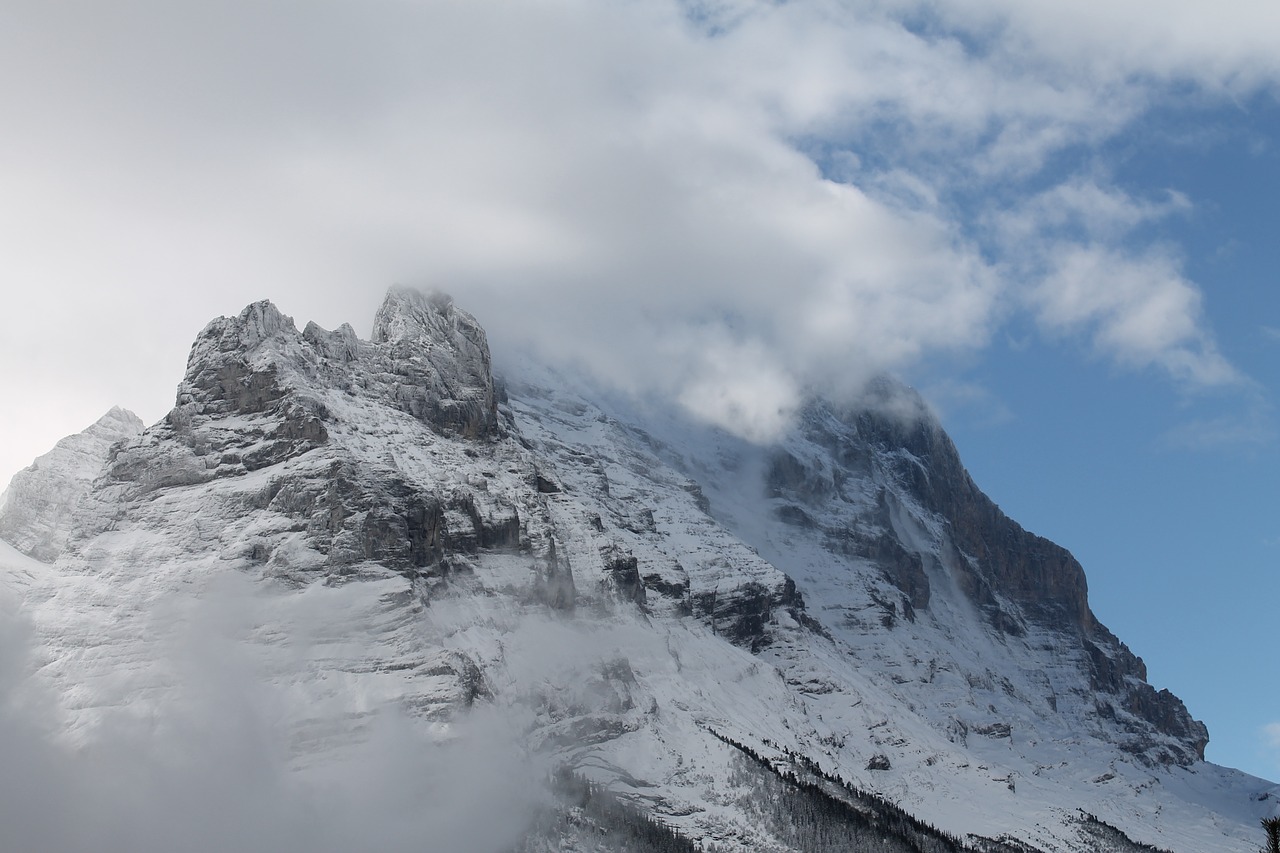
x=1056, y=219
x=1167, y=496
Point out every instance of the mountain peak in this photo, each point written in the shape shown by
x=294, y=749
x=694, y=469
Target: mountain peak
x=119, y=422
x=41, y=499
x=652, y=601
x=431, y=336
x=414, y=314
x=426, y=357
x=261, y=320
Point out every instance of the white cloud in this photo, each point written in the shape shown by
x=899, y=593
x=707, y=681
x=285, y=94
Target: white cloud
x=1139, y=310
x=1229, y=46
x=741, y=388
x=1073, y=244
x=1250, y=429
x=1085, y=209
x=1271, y=741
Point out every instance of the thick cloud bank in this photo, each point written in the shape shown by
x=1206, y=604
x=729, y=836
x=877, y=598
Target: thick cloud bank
x=723, y=202
x=213, y=769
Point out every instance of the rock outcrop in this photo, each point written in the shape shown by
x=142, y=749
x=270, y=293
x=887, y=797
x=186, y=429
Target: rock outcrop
x=427, y=358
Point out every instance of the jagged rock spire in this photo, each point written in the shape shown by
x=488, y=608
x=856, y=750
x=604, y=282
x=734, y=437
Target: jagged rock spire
x=446, y=355
x=426, y=357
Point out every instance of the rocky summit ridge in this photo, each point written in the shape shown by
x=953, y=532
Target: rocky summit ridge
x=655, y=600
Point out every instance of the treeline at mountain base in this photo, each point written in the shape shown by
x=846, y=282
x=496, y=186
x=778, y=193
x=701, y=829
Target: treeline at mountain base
x=792, y=803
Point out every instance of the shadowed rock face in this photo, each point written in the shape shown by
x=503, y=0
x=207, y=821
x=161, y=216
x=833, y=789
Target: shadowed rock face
x=1042, y=577
x=1046, y=582
x=872, y=469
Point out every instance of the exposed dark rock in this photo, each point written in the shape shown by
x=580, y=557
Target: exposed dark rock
x=700, y=500
x=1042, y=577
x=459, y=666
x=994, y=730
x=993, y=559
x=794, y=515
x=662, y=586
x=623, y=575
x=743, y=614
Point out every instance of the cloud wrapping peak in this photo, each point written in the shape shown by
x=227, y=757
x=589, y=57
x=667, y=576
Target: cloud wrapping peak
x=1271, y=741
x=723, y=201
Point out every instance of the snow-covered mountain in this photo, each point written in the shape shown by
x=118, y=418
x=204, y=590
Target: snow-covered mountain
x=692, y=628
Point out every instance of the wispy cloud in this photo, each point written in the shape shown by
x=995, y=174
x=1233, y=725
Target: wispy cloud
x=1246, y=430
x=1084, y=209
x=1271, y=742
x=1138, y=309
x=968, y=400
x=1086, y=275
x=1228, y=48
x=208, y=767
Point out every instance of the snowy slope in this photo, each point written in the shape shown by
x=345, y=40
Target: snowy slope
x=986, y=731
x=379, y=532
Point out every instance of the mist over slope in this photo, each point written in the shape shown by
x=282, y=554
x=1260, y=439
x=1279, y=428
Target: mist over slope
x=361, y=586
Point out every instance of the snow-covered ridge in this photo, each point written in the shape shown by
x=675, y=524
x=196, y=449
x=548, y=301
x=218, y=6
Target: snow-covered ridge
x=634, y=590
x=41, y=500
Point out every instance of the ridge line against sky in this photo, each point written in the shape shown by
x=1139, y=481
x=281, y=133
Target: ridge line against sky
x=1056, y=219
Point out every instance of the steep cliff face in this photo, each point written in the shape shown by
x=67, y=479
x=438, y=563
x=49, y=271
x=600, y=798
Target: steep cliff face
x=881, y=498
x=1002, y=564
x=41, y=500
x=649, y=598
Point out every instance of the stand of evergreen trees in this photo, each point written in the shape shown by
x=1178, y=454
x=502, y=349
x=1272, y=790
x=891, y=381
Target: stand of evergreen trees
x=1271, y=826
x=810, y=810
x=599, y=820
x=795, y=802
x=1107, y=838
x=813, y=811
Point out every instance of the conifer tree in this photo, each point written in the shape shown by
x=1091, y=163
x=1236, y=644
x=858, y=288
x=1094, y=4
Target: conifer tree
x=1271, y=825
